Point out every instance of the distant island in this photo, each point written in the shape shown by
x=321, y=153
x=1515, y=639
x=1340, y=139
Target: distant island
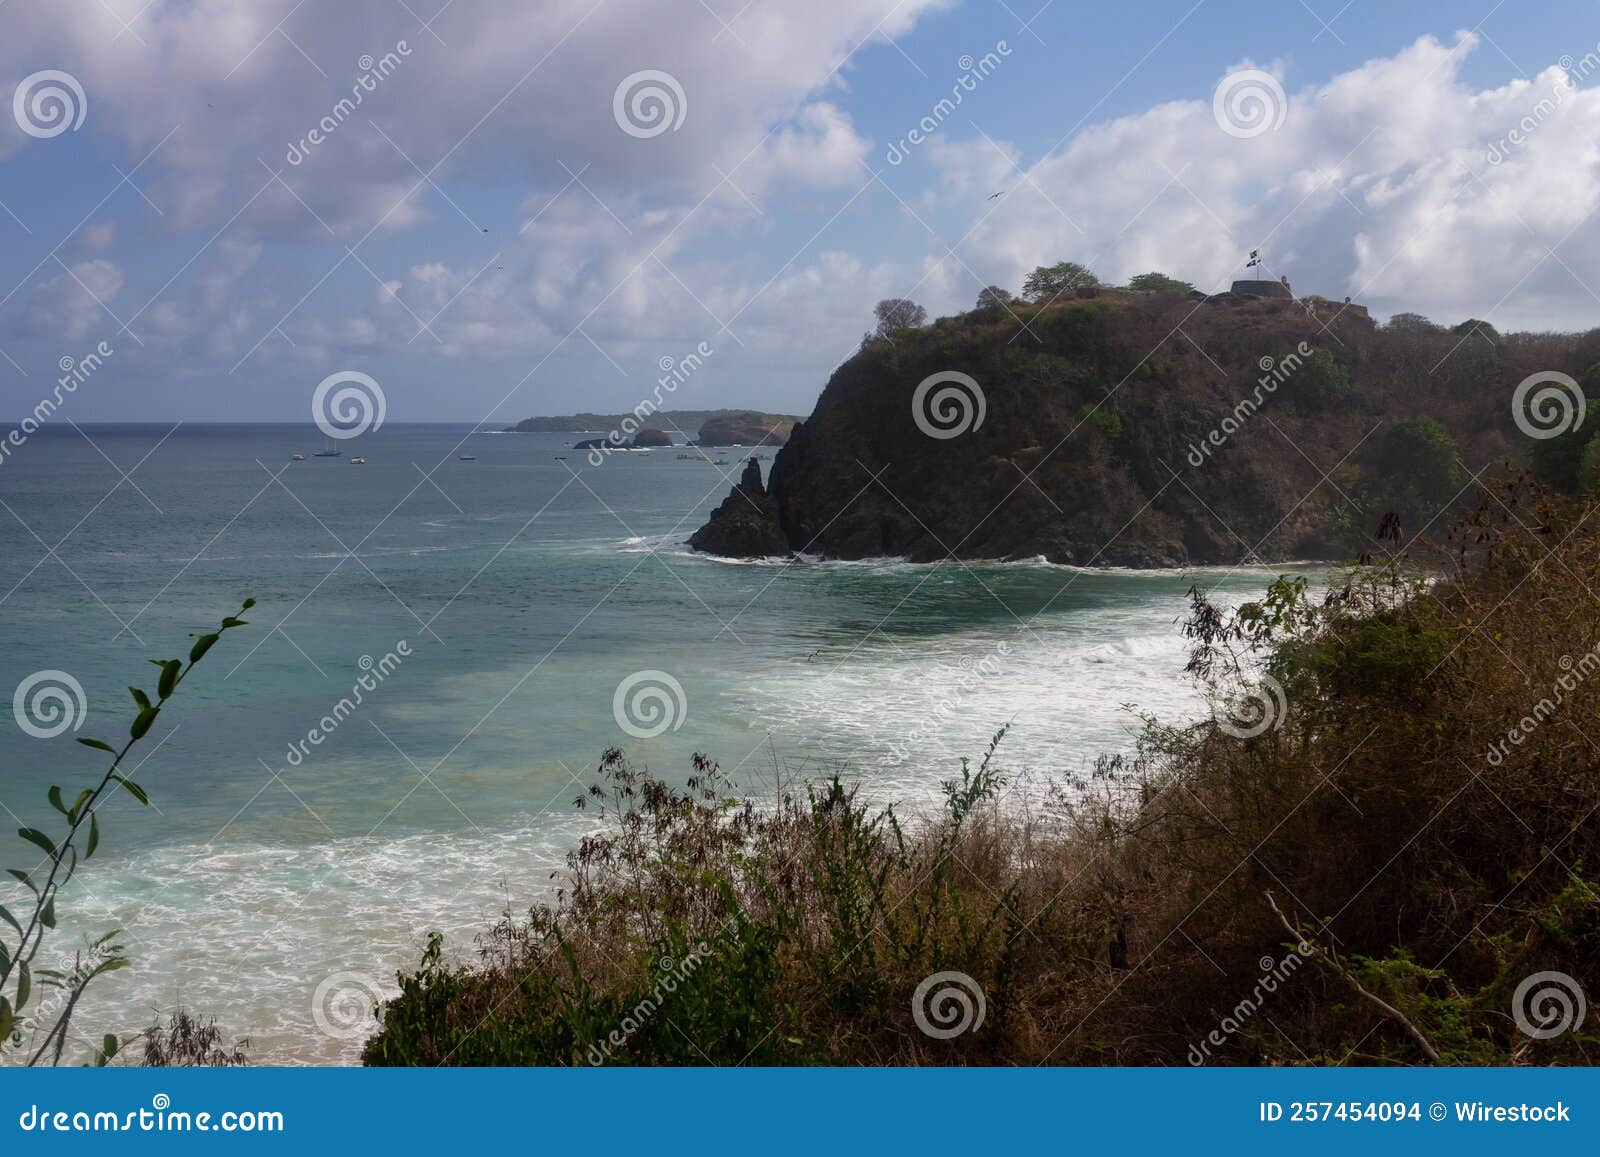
x=713, y=427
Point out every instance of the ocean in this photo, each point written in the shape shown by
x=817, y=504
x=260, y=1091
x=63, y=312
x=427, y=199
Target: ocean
x=502, y=622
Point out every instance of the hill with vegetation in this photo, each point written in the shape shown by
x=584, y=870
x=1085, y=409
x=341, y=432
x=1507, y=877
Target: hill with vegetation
x=1147, y=426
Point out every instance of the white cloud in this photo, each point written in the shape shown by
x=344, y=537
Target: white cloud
x=1377, y=184
x=68, y=305
x=98, y=237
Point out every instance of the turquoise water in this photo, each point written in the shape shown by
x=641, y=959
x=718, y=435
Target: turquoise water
x=275, y=890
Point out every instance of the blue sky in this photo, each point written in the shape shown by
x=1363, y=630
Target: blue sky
x=551, y=260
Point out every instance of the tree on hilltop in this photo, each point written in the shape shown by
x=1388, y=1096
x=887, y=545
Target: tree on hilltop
x=1050, y=281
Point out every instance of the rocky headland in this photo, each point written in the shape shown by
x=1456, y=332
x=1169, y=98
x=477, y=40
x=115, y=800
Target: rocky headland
x=1116, y=427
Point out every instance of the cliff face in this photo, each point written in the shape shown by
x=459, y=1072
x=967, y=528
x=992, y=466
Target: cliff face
x=1126, y=429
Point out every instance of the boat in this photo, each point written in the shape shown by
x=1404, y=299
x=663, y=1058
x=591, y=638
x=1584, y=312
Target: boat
x=720, y=462
x=467, y=457
x=297, y=457
x=561, y=457
x=330, y=452
x=358, y=461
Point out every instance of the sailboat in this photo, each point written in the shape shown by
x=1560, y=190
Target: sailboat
x=328, y=451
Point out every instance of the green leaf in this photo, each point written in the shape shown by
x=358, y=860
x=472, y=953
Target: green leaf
x=24, y=984
x=5, y=914
x=133, y=789
x=47, y=915
x=97, y=743
x=248, y=603
x=142, y=722
x=109, y=1045
x=169, y=677
x=202, y=644
x=94, y=835
x=77, y=804
x=231, y=622
x=140, y=698
x=7, y=1019
x=5, y=966
x=37, y=838
x=19, y=874
x=54, y=795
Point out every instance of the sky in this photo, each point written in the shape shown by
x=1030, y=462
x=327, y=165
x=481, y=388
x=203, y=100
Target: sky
x=539, y=208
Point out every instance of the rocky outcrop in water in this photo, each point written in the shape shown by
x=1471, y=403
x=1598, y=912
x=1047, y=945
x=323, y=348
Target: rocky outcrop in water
x=746, y=524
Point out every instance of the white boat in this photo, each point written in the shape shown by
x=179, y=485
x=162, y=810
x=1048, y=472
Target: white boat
x=297, y=457
x=358, y=461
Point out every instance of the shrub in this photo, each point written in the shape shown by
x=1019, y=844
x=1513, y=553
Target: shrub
x=1048, y=282
x=993, y=297
x=1320, y=379
x=1159, y=283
